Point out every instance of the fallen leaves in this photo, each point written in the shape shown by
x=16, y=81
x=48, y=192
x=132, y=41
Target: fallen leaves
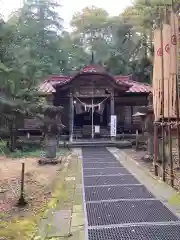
x=38, y=186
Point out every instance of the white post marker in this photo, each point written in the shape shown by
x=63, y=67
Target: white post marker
x=113, y=125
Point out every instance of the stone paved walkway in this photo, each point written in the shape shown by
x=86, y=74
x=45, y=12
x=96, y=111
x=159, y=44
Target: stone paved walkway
x=122, y=202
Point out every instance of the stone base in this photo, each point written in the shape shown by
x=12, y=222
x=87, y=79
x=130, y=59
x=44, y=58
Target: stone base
x=51, y=161
x=147, y=158
x=141, y=148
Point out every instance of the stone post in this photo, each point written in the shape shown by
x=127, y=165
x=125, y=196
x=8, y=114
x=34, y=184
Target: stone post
x=149, y=129
x=71, y=117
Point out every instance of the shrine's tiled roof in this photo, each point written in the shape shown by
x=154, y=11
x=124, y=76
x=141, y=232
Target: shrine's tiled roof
x=124, y=82
x=136, y=87
x=47, y=87
x=50, y=83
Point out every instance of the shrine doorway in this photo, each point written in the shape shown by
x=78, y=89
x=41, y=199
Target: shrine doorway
x=90, y=120
x=92, y=87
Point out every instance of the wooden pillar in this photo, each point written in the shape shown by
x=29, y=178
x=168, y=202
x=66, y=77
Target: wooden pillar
x=108, y=113
x=112, y=104
x=132, y=112
x=71, y=117
x=112, y=109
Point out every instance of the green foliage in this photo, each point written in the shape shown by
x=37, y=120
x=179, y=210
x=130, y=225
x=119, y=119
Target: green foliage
x=123, y=43
x=120, y=42
x=28, y=151
x=29, y=43
x=34, y=45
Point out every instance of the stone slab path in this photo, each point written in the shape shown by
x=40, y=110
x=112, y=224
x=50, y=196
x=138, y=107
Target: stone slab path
x=65, y=217
x=118, y=206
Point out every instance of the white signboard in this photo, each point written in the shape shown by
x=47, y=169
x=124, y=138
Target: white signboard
x=97, y=129
x=113, y=125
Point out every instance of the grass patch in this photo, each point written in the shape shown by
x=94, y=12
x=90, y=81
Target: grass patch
x=19, y=229
x=32, y=150
x=22, y=228
x=175, y=199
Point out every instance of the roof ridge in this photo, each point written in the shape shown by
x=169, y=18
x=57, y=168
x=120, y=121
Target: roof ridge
x=135, y=86
x=143, y=83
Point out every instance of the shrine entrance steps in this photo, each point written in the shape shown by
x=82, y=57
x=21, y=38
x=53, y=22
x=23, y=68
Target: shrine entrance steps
x=97, y=143
x=118, y=206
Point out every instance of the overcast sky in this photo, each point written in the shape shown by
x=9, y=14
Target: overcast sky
x=114, y=7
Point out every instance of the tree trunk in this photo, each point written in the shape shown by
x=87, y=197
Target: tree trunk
x=11, y=140
x=13, y=136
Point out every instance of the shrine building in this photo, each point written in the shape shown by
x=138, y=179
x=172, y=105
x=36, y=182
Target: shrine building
x=97, y=104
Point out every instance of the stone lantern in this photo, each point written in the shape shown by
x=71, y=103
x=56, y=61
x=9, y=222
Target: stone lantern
x=149, y=129
x=142, y=117
x=52, y=129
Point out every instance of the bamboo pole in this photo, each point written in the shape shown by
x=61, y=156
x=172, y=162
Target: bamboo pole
x=169, y=126
x=170, y=145
x=162, y=103
x=178, y=126
x=170, y=156
x=177, y=106
x=177, y=100
x=155, y=128
x=155, y=149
